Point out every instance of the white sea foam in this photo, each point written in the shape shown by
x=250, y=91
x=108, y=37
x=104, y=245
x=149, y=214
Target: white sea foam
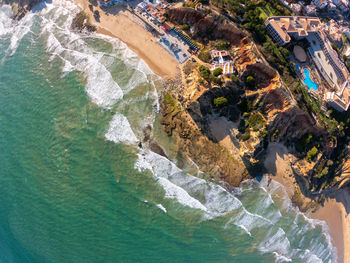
x=6, y=23
x=15, y=30
x=217, y=201
x=76, y=54
x=120, y=130
x=175, y=192
x=276, y=241
x=279, y=258
x=196, y=193
x=161, y=207
x=100, y=86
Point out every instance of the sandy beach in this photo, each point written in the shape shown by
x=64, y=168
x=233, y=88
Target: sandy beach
x=338, y=221
x=335, y=211
x=123, y=26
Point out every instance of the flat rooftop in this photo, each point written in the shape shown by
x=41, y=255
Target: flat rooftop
x=299, y=25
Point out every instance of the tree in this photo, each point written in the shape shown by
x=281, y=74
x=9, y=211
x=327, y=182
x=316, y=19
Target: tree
x=234, y=78
x=220, y=102
x=311, y=154
x=217, y=72
x=217, y=80
x=250, y=81
x=223, y=45
x=204, y=72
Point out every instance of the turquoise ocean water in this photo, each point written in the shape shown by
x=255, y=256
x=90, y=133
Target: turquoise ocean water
x=74, y=186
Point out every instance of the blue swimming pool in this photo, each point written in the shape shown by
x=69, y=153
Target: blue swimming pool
x=308, y=81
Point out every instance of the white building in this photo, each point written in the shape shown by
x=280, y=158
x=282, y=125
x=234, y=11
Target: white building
x=320, y=4
x=296, y=8
x=285, y=3
x=310, y=10
x=342, y=4
x=332, y=7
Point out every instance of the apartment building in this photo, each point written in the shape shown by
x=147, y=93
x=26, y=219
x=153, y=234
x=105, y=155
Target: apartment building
x=282, y=29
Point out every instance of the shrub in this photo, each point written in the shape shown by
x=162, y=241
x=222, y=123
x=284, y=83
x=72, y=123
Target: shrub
x=204, y=56
x=322, y=173
x=217, y=72
x=170, y=101
x=256, y=121
x=204, y=72
x=217, y=80
x=245, y=105
x=185, y=27
x=264, y=133
x=329, y=163
x=234, y=78
x=303, y=142
x=311, y=154
x=223, y=45
x=220, y=102
x=250, y=81
x=245, y=136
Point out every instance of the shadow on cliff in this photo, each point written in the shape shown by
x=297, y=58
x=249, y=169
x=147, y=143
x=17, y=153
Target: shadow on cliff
x=204, y=112
x=219, y=123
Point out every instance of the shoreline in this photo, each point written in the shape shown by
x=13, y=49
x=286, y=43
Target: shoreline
x=136, y=37
x=334, y=214
x=333, y=211
x=145, y=45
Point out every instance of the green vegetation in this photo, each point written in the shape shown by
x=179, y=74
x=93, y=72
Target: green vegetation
x=322, y=173
x=204, y=56
x=234, y=78
x=223, y=45
x=217, y=72
x=256, y=121
x=216, y=80
x=220, y=102
x=185, y=27
x=311, y=154
x=336, y=48
x=303, y=142
x=264, y=133
x=205, y=72
x=245, y=105
x=250, y=81
x=170, y=101
x=192, y=5
x=245, y=136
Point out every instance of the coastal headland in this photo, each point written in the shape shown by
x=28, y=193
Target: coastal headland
x=244, y=135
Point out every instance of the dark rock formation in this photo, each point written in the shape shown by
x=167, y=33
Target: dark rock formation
x=82, y=22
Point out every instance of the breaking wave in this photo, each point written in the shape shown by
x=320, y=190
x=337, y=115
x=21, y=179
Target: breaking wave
x=260, y=210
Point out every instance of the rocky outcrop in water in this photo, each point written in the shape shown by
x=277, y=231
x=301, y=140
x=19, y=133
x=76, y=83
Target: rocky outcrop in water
x=81, y=22
x=21, y=7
